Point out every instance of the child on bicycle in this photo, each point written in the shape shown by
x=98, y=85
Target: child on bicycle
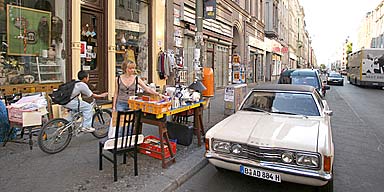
x=82, y=88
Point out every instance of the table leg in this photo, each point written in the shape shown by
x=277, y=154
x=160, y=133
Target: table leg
x=30, y=137
x=8, y=135
x=164, y=135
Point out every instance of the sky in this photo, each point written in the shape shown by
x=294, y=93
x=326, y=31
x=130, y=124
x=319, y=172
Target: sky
x=331, y=22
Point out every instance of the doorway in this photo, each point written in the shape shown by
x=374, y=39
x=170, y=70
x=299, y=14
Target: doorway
x=92, y=59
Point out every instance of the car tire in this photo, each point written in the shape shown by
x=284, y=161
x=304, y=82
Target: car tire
x=327, y=187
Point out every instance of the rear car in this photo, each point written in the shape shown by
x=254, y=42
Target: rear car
x=304, y=77
x=280, y=133
x=335, y=78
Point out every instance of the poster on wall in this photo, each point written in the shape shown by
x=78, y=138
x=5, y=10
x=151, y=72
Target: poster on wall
x=28, y=30
x=83, y=45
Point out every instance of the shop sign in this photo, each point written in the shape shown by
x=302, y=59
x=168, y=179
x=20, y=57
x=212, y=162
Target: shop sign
x=210, y=9
x=129, y=26
x=284, y=50
x=229, y=94
x=176, y=16
x=178, y=42
x=236, y=58
x=276, y=49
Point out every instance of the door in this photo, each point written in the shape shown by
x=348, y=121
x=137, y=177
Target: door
x=92, y=59
x=221, y=66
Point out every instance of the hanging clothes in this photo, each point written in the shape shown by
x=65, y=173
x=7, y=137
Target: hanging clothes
x=131, y=54
x=163, y=65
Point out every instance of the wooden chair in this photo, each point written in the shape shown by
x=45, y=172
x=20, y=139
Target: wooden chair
x=126, y=139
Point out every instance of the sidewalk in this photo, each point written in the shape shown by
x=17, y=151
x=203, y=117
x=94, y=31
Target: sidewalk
x=184, y=169
x=76, y=168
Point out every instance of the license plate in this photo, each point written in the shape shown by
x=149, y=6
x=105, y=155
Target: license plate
x=260, y=174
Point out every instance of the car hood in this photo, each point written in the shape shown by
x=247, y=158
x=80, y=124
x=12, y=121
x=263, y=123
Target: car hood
x=269, y=130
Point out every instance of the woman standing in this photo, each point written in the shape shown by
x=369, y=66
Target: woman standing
x=126, y=86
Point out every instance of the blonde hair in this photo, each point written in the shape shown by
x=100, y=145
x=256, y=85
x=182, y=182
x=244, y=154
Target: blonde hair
x=125, y=65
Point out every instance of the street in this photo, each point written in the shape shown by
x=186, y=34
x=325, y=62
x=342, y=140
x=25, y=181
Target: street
x=358, y=137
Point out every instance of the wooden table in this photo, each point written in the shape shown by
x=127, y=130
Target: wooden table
x=26, y=120
x=160, y=121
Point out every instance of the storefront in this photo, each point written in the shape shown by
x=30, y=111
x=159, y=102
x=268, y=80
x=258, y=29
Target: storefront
x=256, y=67
x=33, y=37
x=132, y=34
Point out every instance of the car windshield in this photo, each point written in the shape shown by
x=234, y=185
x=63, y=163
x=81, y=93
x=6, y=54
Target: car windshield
x=334, y=75
x=305, y=80
x=281, y=102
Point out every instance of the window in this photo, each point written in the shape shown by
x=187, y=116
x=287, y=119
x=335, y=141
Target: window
x=43, y=29
x=282, y=102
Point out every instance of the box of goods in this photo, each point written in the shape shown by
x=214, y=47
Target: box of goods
x=153, y=107
x=26, y=118
x=151, y=147
x=157, y=108
x=183, y=133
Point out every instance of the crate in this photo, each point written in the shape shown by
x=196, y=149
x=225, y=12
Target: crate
x=151, y=147
x=26, y=118
x=149, y=107
x=157, y=108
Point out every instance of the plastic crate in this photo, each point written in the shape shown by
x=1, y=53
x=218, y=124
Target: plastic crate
x=151, y=147
x=150, y=107
x=157, y=108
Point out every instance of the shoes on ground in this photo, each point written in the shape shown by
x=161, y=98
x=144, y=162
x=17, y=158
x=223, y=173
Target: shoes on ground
x=88, y=129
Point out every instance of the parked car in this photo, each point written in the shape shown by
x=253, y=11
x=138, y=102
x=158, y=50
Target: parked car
x=344, y=72
x=335, y=78
x=280, y=133
x=304, y=77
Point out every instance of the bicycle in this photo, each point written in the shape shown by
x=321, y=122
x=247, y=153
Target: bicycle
x=56, y=134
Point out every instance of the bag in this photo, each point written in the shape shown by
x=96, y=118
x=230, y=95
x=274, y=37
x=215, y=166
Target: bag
x=62, y=95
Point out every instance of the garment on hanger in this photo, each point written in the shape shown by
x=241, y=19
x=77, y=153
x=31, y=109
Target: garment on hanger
x=163, y=65
x=131, y=54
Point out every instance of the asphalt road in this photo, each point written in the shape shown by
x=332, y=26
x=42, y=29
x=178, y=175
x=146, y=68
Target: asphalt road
x=358, y=135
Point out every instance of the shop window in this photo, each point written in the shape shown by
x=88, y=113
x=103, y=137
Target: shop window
x=132, y=35
x=32, y=42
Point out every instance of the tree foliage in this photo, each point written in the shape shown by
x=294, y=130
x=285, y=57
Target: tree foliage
x=323, y=66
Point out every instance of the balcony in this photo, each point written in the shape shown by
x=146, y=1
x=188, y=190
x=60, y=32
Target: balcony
x=271, y=33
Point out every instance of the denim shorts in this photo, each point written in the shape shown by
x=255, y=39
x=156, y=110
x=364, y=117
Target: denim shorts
x=122, y=106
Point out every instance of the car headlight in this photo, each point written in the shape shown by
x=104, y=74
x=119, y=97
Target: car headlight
x=221, y=146
x=307, y=160
x=287, y=157
x=236, y=149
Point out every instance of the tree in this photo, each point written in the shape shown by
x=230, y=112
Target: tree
x=323, y=66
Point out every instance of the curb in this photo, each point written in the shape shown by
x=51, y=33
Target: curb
x=177, y=174
x=188, y=168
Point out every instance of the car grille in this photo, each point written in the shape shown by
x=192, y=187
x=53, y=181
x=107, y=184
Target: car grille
x=262, y=154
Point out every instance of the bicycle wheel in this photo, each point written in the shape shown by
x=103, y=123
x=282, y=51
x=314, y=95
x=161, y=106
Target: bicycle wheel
x=55, y=136
x=100, y=122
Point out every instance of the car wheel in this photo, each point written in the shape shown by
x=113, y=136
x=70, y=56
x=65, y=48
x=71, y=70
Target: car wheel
x=327, y=187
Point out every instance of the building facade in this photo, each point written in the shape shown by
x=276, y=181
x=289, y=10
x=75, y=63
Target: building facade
x=46, y=42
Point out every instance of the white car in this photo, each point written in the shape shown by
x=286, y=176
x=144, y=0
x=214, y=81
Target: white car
x=281, y=132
